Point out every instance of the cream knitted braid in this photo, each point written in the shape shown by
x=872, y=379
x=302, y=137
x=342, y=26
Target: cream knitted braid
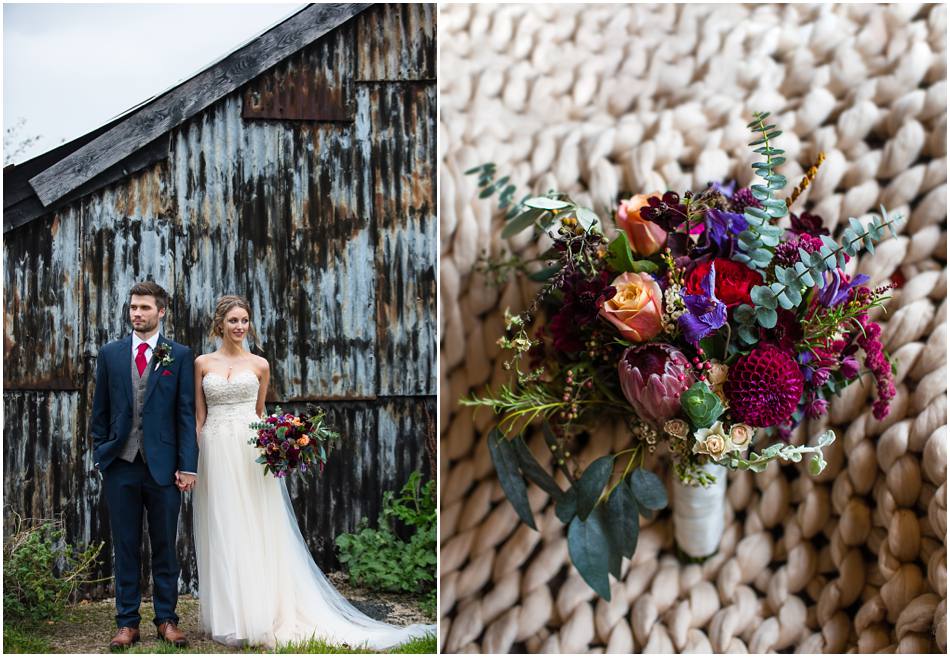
x=600, y=99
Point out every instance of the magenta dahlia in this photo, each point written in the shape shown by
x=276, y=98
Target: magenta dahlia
x=652, y=377
x=764, y=387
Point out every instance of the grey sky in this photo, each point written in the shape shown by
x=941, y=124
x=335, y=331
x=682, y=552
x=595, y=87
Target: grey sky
x=67, y=69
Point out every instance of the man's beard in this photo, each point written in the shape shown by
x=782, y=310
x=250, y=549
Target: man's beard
x=147, y=327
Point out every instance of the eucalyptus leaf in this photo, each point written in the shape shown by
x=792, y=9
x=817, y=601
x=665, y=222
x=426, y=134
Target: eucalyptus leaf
x=589, y=549
x=524, y=220
x=648, y=489
x=505, y=460
x=566, y=506
x=592, y=483
x=533, y=470
x=766, y=317
x=624, y=526
x=545, y=203
x=763, y=297
x=587, y=218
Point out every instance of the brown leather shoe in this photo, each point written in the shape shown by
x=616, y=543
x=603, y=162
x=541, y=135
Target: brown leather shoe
x=169, y=632
x=126, y=637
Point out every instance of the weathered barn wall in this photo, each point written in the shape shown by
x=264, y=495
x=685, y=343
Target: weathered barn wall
x=326, y=224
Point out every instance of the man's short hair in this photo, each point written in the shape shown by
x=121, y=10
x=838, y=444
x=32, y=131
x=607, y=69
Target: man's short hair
x=152, y=289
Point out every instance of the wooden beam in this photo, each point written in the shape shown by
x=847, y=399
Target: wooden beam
x=30, y=208
x=190, y=97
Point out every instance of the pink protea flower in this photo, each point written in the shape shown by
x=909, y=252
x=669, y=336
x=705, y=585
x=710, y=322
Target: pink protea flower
x=652, y=377
x=764, y=387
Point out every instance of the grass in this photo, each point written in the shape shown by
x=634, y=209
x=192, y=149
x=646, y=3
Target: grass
x=22, y=640
x=87, y=627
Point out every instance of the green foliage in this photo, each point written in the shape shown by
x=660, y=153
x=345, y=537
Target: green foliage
x=17, y=640
x=620, y=257
x=41, y=570
x=701, y=405
x=757, y=462
x=756, y=242
x=603, y=521
x=541, y=211
x=791, y=282
x=379, y=559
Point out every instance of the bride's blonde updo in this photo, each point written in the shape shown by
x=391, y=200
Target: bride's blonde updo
x=225, y=305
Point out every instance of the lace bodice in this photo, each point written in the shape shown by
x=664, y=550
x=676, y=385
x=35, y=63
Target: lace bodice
x=234, y=396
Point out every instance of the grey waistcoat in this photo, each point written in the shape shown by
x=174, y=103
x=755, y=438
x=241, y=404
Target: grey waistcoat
x=134, y=444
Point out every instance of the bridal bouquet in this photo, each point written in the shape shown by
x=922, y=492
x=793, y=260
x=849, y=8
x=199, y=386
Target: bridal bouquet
x=290, y=442
x=705, y=325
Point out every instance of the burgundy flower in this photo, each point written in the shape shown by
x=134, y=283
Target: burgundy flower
x=652, y=377
x=743, y=199
x=580, y=307
x=808, y=223
x=666, y=211
x=764, y=387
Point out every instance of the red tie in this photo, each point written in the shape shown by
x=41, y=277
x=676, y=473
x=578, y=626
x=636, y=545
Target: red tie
x=140, y=361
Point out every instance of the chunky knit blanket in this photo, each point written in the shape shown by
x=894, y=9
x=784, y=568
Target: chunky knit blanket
x=602, y=99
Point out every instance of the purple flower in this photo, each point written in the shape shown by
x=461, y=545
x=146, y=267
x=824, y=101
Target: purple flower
x=816, y=407
x=705, y=313
x=836, y=287
x=722, y=228
x=850, y=367
x=726, y=190
x=652, y=377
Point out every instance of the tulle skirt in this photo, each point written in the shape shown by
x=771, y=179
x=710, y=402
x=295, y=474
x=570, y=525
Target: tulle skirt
x=257, y=583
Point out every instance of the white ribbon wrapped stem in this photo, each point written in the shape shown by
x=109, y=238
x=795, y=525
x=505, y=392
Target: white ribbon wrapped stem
x=699, y=513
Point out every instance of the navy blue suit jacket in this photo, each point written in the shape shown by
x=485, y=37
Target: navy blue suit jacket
x=168, y=413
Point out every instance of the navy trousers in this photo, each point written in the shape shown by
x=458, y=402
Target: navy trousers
x=130, y=493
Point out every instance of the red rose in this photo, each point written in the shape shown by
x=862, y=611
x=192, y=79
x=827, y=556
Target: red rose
x=734, y=281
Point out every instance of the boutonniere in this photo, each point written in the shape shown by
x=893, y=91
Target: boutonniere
x=162, y=355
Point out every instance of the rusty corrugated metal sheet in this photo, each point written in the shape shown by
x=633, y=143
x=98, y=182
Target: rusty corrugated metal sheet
x=327, y=227
x=397, y=42
x=42, y=330
x=315, y=84
x=402, y=156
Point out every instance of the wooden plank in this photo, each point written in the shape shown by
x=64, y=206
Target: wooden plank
x=189, y=98
x=31, y=208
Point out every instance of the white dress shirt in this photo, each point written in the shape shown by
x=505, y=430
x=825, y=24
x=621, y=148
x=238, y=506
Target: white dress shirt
x=152, y=342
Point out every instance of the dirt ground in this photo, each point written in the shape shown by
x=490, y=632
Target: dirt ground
x=88, y=626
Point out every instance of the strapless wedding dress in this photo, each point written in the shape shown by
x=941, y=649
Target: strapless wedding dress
x=257, y=583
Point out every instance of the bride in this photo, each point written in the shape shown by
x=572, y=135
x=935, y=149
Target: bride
x=258, y=584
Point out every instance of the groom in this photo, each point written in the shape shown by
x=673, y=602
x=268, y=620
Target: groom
x=143, y=434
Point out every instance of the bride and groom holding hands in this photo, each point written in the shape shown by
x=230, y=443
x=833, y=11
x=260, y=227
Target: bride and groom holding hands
x=164, y=423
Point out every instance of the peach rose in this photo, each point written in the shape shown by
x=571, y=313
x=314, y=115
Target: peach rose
x=303, y=441
x=637, y=307
x=645, y=237
x=713, y=442
x=741, y=435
